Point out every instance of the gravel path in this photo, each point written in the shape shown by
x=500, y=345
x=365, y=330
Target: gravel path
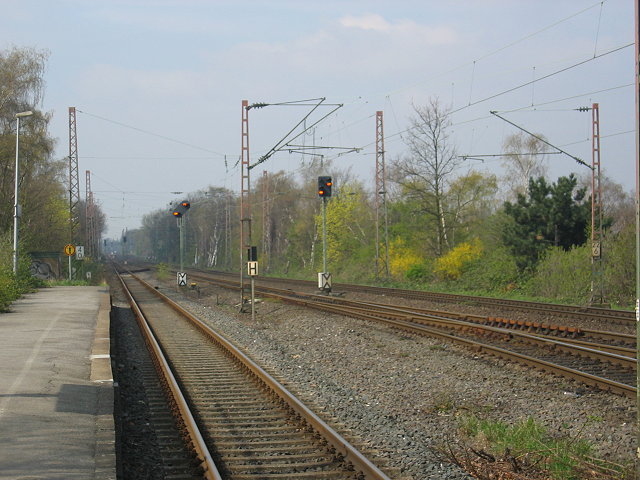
x=401, y=395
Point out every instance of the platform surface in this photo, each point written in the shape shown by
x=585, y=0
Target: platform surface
x=56, y=388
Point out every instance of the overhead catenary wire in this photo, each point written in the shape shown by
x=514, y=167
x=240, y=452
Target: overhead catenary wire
x=164, y=137
x=580, y=161
x=509, y=90
x=285, y=141
x=557, y=72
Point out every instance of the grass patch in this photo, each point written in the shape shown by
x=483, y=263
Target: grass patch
x=67, y=283
x=162, y=271
x=527, y=450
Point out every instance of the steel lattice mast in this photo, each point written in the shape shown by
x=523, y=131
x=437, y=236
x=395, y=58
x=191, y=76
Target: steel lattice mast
x=245, y=206
x=74, y=180
x=90, y=220
x=382, y=260
x=597, y=234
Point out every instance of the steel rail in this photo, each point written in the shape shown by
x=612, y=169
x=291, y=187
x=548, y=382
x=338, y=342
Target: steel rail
x=376, y=310
x=625, y=316
x=606, y=353
x=359, y=462
x=531, y=327
x=409, y=314
x=204, y=456
x=364, y=311
x=621, y=355
x=584, y=377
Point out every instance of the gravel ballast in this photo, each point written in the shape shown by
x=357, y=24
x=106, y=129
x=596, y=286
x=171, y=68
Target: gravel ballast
x=401, y=395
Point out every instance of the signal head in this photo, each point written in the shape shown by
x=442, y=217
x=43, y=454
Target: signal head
x=324, y=186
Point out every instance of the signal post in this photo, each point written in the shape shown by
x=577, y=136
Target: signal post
x=178, y=212
x=324, y=191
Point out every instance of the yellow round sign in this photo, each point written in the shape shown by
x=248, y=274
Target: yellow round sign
x=69, y=249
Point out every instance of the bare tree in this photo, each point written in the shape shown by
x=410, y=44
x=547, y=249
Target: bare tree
x=524, y=158
x=424, y=173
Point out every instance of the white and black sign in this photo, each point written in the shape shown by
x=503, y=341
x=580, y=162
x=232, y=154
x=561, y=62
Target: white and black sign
x=252, y=269
x=324, y=281
x=79, y=252
x=182, y=279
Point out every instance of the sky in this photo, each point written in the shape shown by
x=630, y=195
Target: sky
x=158, y=85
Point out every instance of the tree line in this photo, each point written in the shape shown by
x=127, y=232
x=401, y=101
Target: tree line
x=43, y=179
x=450, y=226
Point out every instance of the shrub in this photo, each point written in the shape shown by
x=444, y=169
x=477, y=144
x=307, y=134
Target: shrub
x=401, y=258
x=563, y=275
x=619, y=258
x=420, y=272
x=451, y=265
x=162, y=271
x=495, y=271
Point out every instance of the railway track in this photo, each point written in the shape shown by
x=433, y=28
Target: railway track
x=606, y=315
x=613, y=342
x=240, y=421
x=563, y=351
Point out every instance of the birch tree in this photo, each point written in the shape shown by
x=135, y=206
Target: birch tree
x=524, y=158
x=424, y=174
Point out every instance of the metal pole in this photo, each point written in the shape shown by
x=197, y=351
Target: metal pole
x=245, y=199
x=637, y=90
x=324, y=234
x=16, y=205
x=180, y=226
x=253, y=299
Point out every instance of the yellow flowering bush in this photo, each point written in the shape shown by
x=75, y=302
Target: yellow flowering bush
x=401, y=258
x=451, y=265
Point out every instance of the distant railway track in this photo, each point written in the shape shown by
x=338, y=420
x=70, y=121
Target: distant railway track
x=241, y=422
x=562, y=351
x=622, y=317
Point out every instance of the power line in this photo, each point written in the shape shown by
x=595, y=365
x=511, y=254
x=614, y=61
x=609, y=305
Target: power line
x=580, y=161
x=400, y=133
x=284, y=144
x=573, y=97
x=164, y=137
x=487, y=55
x=562, y=70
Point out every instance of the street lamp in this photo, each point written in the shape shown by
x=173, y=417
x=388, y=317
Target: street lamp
x=16, y=206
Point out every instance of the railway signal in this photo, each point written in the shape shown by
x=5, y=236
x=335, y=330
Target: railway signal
x=324, y=186
x=181, y=208
x=178, y=212
x=324, y=191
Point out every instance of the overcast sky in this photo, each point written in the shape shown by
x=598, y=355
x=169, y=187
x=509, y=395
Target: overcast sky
x=158, y=84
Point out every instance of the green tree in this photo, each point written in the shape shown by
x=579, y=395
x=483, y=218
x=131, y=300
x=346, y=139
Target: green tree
x=41, y=181
x=524, y=158
x=349, y=224
x=550, y=215
x=424, y=174
x=470, y=201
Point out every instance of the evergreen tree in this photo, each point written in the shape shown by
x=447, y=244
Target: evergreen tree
x=549, y=215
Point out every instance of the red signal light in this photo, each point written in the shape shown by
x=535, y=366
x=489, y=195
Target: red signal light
x=324, y=186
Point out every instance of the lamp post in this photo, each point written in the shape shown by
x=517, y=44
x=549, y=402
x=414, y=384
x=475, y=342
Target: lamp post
x=16, y=206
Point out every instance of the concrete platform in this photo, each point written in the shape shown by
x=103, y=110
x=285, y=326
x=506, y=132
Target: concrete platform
x=56, y=386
